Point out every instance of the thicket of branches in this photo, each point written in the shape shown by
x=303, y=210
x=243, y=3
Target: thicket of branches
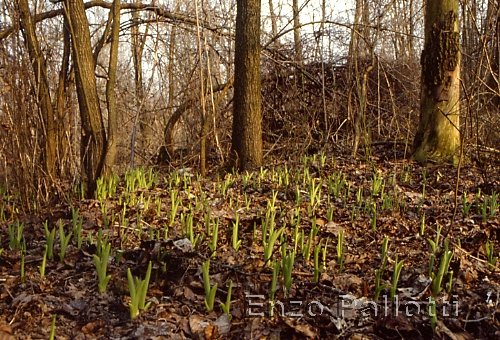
x=349, y=77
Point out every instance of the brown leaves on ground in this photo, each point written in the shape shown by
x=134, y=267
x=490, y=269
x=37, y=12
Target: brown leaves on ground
x=362, y=201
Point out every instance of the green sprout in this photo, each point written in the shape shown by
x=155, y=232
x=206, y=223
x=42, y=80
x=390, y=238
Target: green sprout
x=187, y=221
x=52, y=335
x=287, y=263
x=226, y=307
x=484, y=209
x=434, y=244
x=317, y=268
x=398, y=266
x=329, y=212
x=269, y=244
x=64, y=241
x=158, y=206
x=378, y=283
x=465, y=205
x=175, y=202
x=444, y=264
x=336, y=183
x=373, y=219
x=138, y=289
x=273, y=288
x=340, y=250
x=306, y=251
x=359, y=196
x=50, y=237
x=493, y=203
x=422, y=225
x=236, y=241
x=15, y=235
x=314, y=195
x=378, y=184
x=215, y=235
x=490, y=254
x=323, y=255
x=209, y=289
x=106, y=187
x=101, y=260
x=298, y=197
x=44, y=262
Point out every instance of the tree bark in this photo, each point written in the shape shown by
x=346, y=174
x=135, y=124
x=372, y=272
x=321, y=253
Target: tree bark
x=247, y=116
x=274, y=25
x=438, y=135
x=296, y=33
x=93, y=139
x=359, y=52
x=42, y=89
x=110, y=89
x=60, y=107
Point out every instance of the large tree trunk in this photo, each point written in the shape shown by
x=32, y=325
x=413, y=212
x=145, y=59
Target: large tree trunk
x=110, y=89
x=438, y=135
x=93, y=140
x=247, y=116
x=43, y=92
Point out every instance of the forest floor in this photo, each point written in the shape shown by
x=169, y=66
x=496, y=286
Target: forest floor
x=299, y=242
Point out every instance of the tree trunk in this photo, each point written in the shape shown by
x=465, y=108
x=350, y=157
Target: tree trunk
x=247, y=116
x=63, y=122
x=42, y=89
x=359, y=51
x=274, y=25
x=438, y=135
x=492, y=31
x=296, y=33
x=93, y=139
x=110, y=89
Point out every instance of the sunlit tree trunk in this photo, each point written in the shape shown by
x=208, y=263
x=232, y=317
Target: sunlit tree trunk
x=438, y=135
x=93, y=140
x=296, y=33
x=247, y=115
x=110, y=89
x=42, y=89
x=274, y=25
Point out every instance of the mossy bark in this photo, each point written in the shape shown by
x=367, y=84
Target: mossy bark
x=438, y=135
